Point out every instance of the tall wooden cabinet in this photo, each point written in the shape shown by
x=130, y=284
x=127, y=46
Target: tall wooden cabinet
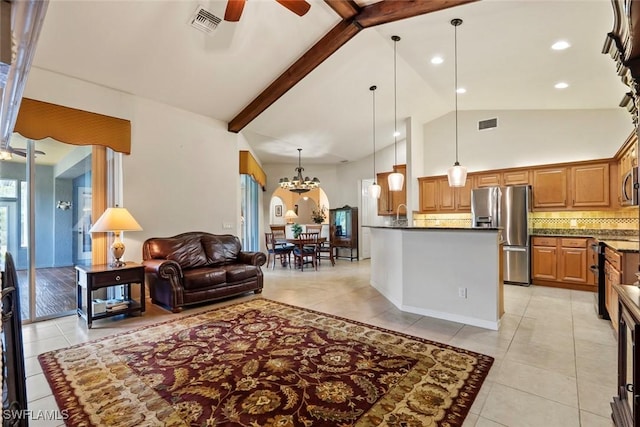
x=345, y=241
x=390, y=200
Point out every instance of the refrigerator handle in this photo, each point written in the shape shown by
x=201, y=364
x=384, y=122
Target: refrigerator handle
x=515, y=249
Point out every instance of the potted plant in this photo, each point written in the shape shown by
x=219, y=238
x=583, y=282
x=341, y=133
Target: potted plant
x=296, y=229
x=319, y=215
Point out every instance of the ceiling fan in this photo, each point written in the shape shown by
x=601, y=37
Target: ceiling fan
x=7, y=153
x=234, y=8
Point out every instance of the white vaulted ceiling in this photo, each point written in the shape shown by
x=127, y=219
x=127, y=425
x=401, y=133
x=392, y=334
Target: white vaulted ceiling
x=148, y=48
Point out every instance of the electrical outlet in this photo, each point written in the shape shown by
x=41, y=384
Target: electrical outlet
x=227, y=225
x=462, y=292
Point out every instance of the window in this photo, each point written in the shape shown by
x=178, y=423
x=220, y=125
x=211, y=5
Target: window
x=24, y=240
x=8, y=188
x=249, y=212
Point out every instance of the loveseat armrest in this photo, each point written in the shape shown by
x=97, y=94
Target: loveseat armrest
x=163, y=268
x=252, y=258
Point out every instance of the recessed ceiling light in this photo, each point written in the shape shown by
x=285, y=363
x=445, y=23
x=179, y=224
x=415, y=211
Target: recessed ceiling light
x=437, y=60
x=561, y=85
x=461, y=90
x=560, y=45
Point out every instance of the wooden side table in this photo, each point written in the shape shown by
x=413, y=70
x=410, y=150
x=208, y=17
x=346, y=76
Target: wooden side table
x=93, y=277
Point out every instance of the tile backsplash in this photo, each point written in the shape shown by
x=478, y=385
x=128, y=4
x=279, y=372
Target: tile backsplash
x=624, y=220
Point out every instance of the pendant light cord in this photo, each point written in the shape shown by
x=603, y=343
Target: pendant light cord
x=395, y=97
x=373, y=92
x=455, y=68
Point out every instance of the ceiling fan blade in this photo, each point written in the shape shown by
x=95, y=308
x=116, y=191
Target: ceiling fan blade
x=234, y=10
x=23, y=151
x=299, y=7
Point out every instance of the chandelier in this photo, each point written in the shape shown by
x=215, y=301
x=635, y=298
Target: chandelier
x=298, y=184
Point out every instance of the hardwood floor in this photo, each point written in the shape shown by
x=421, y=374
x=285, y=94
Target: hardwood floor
x=55, y=291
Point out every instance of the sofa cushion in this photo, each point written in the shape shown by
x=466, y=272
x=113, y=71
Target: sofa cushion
x=221, y=249
x=186, y=251
x=240, y=272
x=202, y=278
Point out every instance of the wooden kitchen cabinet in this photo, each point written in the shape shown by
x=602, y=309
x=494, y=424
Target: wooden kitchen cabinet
x=550, y=187
x=572, y=261
x=490, y=179
x=544, y=259
x=561, y=262
x=437, y=196
x=515, y=177
x=619, y=268
x=390, y=200
x=590, y=185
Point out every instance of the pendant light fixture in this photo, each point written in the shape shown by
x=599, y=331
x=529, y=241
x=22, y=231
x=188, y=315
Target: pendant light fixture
x=396, y=179
x=457, y=174
x=298, y=184
x=374, y=189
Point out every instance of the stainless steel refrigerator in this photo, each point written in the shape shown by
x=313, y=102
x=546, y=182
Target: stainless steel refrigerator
x=508, y=208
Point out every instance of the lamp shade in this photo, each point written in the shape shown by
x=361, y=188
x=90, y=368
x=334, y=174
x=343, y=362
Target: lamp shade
x=396, y=181
x=375, y=190
x=115, y=219
x=457, y=175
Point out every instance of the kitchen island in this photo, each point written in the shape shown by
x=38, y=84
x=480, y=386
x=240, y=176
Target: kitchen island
x=447, y=273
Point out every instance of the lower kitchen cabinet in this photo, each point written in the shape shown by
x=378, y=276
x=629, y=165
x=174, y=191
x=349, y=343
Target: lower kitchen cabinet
x=625, y=405
x=561, y=262
x=619, y=268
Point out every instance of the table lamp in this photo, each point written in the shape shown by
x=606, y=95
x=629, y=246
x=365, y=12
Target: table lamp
x=116, y=220
x=290, y=215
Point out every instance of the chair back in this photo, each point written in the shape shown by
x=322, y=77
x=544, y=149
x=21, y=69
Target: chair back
x=314, y=228
x=309, y=236
x=279, y=231
x=269, y=241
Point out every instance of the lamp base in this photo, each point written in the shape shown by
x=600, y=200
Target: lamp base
x=117, y=263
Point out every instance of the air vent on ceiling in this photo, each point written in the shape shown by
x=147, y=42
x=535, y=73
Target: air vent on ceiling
x=204, y=20
x=488, y=124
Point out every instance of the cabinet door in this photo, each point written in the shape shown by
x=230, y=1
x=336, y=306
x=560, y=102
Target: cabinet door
x=550, y=188
x=544, y=263
x=590, y=185
x=446, y=196
x=463, y=197
x=399, y=197
x=573, y=265
x=488, y=179
x=384, y=202
x=428, y=195
x=515, y=177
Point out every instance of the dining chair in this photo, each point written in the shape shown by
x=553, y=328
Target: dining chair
x=306, y=250
x=327, y=247
x=277, y=250
x=279, y=231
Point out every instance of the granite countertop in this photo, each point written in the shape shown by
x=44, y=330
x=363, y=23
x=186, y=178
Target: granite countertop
x=404, y=227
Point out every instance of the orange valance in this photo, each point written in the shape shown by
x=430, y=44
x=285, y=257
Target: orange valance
x=249, y=166
x=38, y=120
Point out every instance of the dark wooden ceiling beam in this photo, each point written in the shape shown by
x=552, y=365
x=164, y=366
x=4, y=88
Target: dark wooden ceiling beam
x=375, y=14
x=390, y=11
x=324, y=48
x=346, y=9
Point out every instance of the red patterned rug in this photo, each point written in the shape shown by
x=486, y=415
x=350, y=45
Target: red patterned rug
x=262, y=363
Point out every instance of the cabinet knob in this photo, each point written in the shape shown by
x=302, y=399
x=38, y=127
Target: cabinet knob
x=118, y=278
x=629, y=387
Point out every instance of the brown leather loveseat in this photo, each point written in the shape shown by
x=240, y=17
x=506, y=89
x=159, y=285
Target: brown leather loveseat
x=196, y=267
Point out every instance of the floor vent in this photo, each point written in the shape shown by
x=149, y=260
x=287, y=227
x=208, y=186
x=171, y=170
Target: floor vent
x=488, y=124
x=204, y=20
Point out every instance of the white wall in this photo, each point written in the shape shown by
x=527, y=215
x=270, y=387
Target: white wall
x=182, y=174
x=524, y=138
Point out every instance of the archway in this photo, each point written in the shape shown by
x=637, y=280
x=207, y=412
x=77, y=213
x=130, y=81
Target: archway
x=302, y=204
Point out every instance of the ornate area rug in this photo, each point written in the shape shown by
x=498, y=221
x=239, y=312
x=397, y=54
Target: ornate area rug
x=262, y=363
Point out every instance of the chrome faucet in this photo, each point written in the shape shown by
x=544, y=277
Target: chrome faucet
x=398, y=212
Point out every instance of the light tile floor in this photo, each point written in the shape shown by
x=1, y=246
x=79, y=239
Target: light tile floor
x=555, y=361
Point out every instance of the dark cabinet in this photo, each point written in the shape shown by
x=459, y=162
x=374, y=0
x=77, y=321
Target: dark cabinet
x=626, y=402
x=345, y=240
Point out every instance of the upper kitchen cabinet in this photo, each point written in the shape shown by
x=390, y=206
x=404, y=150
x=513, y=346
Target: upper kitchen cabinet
x=550, y=188
x=437, y=196
x=627, y=160
x=515, y=177
x=590, y=185
x=490, y=179
x=389, y=201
